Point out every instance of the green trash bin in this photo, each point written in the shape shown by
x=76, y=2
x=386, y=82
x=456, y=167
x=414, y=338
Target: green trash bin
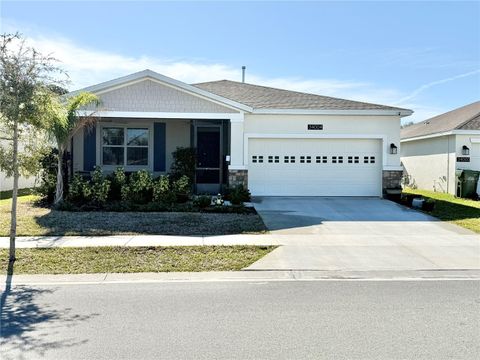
x=467, y=183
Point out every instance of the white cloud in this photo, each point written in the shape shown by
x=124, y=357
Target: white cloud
x=424, y=87
x=422, y=112
x=88, y=66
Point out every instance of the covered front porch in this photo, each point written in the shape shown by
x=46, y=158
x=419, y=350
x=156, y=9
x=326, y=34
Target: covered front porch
x=140, y=142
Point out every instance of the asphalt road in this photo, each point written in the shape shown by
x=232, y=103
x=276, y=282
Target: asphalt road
x=243, y=320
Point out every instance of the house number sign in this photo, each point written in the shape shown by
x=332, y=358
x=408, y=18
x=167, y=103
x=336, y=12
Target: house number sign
x=463, y=159
x=315, y=127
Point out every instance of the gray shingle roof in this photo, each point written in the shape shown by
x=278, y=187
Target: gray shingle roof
x=262, y=97
x=464, y=118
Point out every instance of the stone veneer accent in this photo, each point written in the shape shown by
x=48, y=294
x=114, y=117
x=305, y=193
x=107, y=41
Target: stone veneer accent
x=391, y=179
x=238, y=177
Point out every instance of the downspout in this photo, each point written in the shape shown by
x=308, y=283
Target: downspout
x=448, y=164
x=71, y=158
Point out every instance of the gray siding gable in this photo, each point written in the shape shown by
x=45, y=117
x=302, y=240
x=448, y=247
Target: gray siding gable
x=152, y=96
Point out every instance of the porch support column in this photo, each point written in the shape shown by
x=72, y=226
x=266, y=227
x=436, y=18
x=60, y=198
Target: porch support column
x=236, y=142
x=237, y=174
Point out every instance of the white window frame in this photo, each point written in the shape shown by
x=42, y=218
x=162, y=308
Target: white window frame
x=125, y=126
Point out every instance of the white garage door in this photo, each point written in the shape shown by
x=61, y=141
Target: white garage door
x=314, y=167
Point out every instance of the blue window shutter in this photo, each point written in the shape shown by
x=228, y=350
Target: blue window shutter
x=159, y=147
x=89, y=148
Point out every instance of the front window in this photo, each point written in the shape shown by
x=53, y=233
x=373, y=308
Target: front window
x=125, y=146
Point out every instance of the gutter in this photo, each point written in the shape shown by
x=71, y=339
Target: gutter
x=445, y=133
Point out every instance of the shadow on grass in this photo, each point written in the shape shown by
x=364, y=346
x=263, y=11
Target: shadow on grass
x=163, y=223
x=7, y=194
x=21, y=315
x=451, y=211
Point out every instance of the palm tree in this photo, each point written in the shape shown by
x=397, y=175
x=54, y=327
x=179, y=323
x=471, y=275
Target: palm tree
x=65, y=124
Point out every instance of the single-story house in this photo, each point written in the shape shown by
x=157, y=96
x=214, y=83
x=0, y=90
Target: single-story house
x=275, y=142
x=434, y=149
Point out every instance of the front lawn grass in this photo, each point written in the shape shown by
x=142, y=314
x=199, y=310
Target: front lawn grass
x=7, y=194
x=462, y=212
x=133, y=259
x=35, y=220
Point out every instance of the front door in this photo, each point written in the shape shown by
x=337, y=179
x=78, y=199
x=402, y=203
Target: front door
x=208, y=171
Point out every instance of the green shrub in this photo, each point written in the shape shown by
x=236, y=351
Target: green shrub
x=93, y=192
x=162, y=191
x=238, y=195
x=428, y=204
x=100, y=187
x=182, y=189
x=182, y=185
x=79, y=190
x=48, y=176
x=184, y=161
x=202, y=201
x=139, y=189
x=117, y=180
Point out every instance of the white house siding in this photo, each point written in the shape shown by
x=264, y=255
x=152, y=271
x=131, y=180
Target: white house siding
x=363, y=133
x=333, y=125
x=177, y=135
x=23, y=182
x=430, y=163
x=6, y=183
x=151, y=96
x=474, y=147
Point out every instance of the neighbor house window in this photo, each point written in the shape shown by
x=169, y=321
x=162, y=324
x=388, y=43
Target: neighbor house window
x=122, y=146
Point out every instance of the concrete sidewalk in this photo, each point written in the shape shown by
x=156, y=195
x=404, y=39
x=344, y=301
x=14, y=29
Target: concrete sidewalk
x=138, y=240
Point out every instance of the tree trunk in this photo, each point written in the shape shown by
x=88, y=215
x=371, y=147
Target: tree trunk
x=13, y=219
x=59, y=187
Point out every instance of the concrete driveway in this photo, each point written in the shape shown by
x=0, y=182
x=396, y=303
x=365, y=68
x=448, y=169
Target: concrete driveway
x=361, y=234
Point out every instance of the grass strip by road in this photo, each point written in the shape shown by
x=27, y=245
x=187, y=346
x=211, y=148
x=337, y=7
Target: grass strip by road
x=462, y=212
x=133, y=259
x=34, y=220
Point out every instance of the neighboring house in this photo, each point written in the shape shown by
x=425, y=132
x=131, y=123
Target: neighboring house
x=274, y=141
x=433, y=149
x=6, y=183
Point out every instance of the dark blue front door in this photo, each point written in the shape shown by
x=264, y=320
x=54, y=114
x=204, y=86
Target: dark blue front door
x=208, y=172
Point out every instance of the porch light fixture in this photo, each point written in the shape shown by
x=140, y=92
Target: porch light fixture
x=393, y=149
x=465, y=150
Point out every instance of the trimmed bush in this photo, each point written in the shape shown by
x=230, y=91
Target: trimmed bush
x=117, y=180
x=184, y=160
x=93, y=192
x=100, y=187
x=237, y=195
x=182, y=188
x=48, y=176
x=428, y=204
x=162, y=191
x=78, y=191
x=139, y=188
x=202, y=201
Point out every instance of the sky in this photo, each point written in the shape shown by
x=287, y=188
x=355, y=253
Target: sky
x=422, y=55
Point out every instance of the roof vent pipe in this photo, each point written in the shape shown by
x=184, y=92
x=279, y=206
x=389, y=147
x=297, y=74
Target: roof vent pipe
x=243, y=73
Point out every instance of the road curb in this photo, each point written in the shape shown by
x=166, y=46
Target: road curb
x=265, y=275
